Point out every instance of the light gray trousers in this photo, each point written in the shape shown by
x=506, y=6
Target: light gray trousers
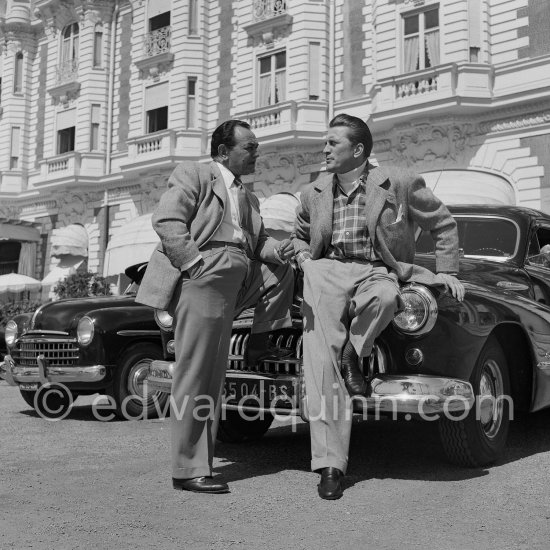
x=342, y=299
x=214, y=292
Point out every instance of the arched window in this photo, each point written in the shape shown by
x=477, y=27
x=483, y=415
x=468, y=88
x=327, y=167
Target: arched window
x=69, y=44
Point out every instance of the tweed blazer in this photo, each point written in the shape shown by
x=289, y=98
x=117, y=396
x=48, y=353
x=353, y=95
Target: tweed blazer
x=397, y=202
x=188, y=215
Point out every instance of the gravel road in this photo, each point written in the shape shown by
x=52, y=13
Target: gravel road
x=81, y=483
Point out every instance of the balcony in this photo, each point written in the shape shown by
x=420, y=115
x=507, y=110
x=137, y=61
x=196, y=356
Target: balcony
x=157, y=57
x=266, y=9
x=298, y=119
x=271, y=20
x=66, y=81
x=66, y=165
x=162, y=148
x=450, y=88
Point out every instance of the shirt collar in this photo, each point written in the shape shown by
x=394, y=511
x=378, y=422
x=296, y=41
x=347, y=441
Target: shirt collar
x=227, y=175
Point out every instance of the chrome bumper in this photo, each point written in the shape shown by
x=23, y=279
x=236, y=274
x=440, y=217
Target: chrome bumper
x=397, y=394
x=44, y=373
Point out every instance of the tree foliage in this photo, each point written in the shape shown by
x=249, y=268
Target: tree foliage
x=82, y=285
x=10, y=310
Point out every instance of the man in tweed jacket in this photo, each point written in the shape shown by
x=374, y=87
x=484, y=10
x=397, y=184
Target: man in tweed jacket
x=354, y=240
x=215, y=259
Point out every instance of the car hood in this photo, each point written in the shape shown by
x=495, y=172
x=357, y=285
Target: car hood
x=63, y=315
x=483, y=273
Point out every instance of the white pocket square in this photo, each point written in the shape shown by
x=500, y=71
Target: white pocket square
x=399, y=215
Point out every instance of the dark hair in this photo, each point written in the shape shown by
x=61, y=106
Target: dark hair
x=359, y=131
x=224, y=134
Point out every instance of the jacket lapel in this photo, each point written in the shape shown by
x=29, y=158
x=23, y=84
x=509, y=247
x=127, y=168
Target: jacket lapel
x=218, y=185
x=324, y=205
x=376, y=196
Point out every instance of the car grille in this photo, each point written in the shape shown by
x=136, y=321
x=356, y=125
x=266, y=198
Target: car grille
x=59, y=353
x=286, y=339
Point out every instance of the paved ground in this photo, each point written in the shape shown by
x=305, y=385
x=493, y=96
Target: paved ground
x=81, y=483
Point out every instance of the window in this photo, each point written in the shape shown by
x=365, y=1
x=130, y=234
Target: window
x=157, y=119
x=18, y=77
x=94, y=127
x=65, y=140
x=69, y=44
x=272, y=81
x=421, y=46
x=98, y=47
x=193, y=17
x=159, y=21
x=191, y=102
x=314, y=70
x=14, y=154
x=9, y=256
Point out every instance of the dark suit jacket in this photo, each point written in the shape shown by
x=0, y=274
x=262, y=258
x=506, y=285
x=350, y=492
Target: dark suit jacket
x=188, y=215
x=397, y=202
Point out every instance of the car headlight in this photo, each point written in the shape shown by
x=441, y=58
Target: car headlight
x=10, y=333
x=164, y=319
x=85, y=331
x=420, y=312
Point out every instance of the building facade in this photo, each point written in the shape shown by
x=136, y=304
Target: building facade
x=101, y=98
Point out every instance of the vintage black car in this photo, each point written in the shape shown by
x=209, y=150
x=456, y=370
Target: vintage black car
x=83, y=346
x=470, y=365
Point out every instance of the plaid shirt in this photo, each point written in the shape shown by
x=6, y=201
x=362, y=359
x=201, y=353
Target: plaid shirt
x=350, y=236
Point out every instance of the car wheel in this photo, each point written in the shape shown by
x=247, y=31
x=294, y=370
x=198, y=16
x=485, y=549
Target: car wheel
x=52, y=401
x=28, y=396
x=479, y=439
x=236, y=429
x=132, y=397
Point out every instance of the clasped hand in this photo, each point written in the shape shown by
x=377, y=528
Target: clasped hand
x=285, y=249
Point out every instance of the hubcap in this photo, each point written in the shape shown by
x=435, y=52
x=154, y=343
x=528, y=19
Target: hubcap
x=136, y=380
x=491, y=393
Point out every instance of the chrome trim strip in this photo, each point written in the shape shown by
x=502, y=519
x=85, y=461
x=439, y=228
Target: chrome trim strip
x=59, y=332
x=139, y=332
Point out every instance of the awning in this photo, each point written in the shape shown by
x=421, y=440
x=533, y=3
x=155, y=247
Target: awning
x=470, y=187
x=71, y=239
x=130, y=244
x=279, y=213
x=14, y=231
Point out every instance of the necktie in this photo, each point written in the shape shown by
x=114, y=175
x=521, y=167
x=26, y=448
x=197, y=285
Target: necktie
x=244, y=212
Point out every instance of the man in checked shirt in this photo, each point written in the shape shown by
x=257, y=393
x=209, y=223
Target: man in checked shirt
x=354, y=240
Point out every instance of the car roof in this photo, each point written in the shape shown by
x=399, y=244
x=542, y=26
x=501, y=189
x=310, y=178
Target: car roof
x=498, y=209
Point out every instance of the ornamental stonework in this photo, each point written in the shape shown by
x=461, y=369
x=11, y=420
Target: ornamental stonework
x=439, y=145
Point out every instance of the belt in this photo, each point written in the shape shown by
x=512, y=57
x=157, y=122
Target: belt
x=222, y=244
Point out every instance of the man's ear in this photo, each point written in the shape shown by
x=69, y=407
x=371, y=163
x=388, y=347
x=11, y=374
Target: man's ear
x=222, y=151
x=359, y=149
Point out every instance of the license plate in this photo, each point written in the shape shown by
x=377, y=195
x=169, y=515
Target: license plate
x=260, y=392
x=28, y=387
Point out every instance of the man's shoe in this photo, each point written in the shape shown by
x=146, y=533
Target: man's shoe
x=252, y=356
x=200, y=485
x=330, y=486
x=353, y=377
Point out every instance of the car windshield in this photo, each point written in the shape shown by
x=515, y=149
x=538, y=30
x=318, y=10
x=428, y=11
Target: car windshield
x=488, y=237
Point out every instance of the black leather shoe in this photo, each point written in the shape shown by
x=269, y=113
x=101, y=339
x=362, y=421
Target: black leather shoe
x=330, y=486
x=253, y=356
x=353, y=377
x=200, y=485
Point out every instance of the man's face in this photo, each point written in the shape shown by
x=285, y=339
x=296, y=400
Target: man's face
x=340, y=154
x=241, y=158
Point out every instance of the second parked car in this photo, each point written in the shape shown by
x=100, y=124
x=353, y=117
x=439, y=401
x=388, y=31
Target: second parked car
x=83, y=346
